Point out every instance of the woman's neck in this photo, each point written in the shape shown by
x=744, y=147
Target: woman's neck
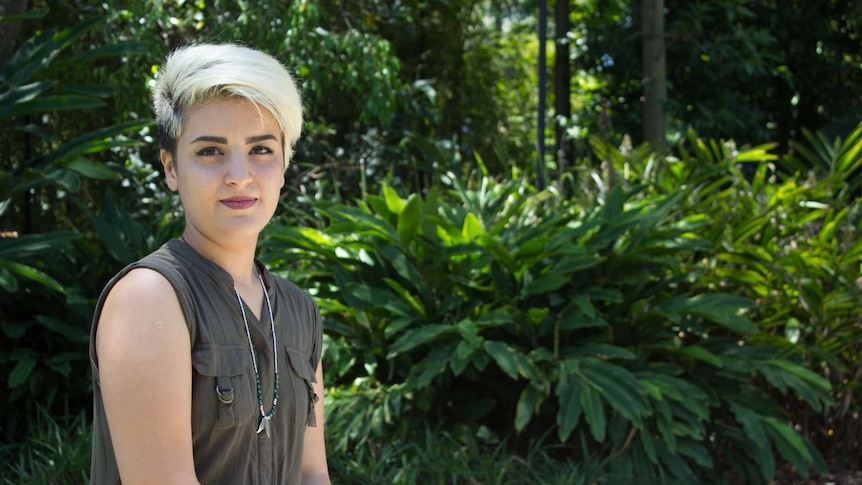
x=237, y=259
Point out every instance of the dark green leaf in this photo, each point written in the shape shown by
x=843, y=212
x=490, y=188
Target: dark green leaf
x=21, y=372
x=511, y=360
x=25, y=246
x=528, y=405
x=8, y=281
x=74, y=334
x=419, y=336
x=46, y=104
x=33, y=274
x=90, y=169
x=544, y=284
x=701, y=354
x=593, y=411
x=568, y=392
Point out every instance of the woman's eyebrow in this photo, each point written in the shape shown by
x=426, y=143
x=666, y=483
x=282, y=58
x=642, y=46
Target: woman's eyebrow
x=223, y=140
x=259, y=138
x=211, y=139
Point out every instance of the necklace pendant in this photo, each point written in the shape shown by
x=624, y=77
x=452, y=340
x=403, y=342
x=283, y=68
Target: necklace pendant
x=265, y=426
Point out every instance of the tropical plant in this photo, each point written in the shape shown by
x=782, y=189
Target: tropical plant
x=784, y=233
x=491, y=305
x=44, y=317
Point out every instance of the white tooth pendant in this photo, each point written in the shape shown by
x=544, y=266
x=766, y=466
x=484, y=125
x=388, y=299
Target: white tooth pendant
x=264, y=426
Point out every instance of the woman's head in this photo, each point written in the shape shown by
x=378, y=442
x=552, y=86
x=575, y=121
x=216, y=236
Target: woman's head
x=196, y=74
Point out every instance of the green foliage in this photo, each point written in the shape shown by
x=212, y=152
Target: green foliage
x=445, y=456
x=374, y=78
x=752, y=70
x=56, y=452
x=46, y=283
x=784, y=233
x=682, y=317
x=493, y=306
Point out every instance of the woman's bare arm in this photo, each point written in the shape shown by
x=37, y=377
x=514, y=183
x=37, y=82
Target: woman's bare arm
x=144, y=356
x=314, y=469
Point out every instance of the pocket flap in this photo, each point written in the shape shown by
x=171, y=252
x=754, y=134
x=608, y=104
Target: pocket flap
x=220, y=362
x=300, y=364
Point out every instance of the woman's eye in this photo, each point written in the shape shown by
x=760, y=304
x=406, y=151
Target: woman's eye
x=208, y=152
x=261, y=150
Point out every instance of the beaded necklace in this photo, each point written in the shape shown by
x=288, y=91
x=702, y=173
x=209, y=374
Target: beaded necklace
x=265, y=417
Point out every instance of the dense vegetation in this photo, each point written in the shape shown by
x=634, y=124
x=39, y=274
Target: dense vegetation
x=680, y=316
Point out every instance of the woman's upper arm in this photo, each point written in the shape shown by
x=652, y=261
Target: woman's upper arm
x=144, y=359
x=314, y=468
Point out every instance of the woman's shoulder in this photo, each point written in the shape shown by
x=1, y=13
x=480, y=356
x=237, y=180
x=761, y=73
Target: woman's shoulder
x=149, y=277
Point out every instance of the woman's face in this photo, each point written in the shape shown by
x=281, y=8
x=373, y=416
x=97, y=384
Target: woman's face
x=229, y=169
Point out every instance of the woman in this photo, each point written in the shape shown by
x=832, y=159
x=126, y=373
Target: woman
x=206, y=366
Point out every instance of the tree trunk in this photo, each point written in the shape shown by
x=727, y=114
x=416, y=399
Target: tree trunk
x=9, y=32
x=654, y=73
x=540, y=130
x=562, y=90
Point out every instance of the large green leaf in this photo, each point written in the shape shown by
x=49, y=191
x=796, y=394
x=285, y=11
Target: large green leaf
x=71, y=332
x=511, y=361
x=569, y=395
x=617, y=386
x=46, y=104
x=543, y=284
x=725, y=310
x=21, y=372
x=528, y=405
x=409, y=218
x=393, y=202
x=419, y=336
x=11, y=101
x=34, y=274
x=25, y=246
x=7, y=280
x=789, y=444
x=90, y=169
x=594, y=412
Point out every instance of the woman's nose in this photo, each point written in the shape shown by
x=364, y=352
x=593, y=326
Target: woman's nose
x=239, y=169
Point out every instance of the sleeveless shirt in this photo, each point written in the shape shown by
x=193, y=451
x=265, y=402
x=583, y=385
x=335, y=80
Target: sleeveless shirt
x=225, y=415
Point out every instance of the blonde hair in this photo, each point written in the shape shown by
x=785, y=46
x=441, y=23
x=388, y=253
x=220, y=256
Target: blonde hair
x=195, y=74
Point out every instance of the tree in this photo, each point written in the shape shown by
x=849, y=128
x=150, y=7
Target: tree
x=655, y=73
x=751, y=70
x=562, y=84
x=9, y=30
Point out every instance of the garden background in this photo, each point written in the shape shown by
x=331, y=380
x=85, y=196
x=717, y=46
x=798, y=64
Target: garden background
x=594, y=241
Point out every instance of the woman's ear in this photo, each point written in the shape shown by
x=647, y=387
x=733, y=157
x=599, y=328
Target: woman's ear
x=170, y=170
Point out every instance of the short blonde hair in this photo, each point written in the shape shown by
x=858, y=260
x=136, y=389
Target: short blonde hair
x=195, y=74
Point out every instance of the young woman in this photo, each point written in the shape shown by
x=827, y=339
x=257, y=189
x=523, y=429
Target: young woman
x=206, y=366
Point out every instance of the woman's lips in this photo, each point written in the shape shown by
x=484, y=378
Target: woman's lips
x=239, y=203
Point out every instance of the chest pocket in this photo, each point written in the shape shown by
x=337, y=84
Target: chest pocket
x=301, y=378
x=222, y=392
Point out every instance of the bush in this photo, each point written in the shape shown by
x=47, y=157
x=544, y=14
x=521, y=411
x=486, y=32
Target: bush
x=493, y=306
x=50, y=270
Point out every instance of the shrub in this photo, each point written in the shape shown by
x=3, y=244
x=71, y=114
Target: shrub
x=498, y=307
x=46, y=286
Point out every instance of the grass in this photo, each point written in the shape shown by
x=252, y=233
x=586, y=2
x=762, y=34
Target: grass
x=58, y=453
x=447, y=457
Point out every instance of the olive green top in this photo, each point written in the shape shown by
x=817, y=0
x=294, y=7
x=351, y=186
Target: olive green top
x=227, y=447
